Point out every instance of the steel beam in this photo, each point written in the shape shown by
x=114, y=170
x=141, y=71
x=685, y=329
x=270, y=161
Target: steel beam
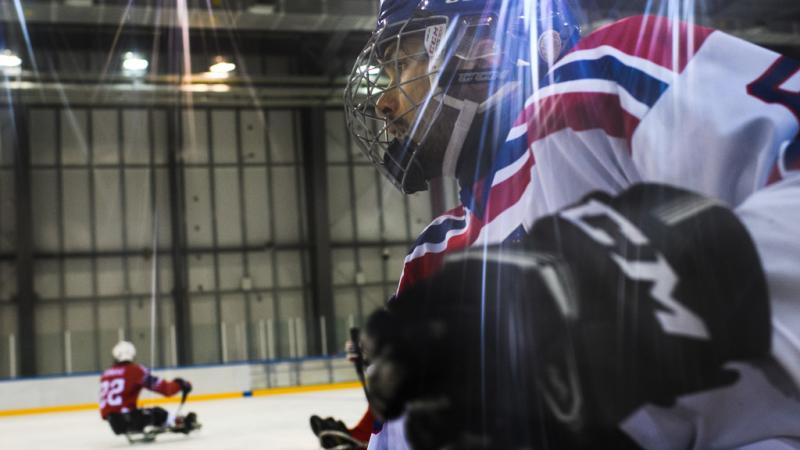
x=180, y=294
x=320, y=303
x=26, y=300
x=255, y=18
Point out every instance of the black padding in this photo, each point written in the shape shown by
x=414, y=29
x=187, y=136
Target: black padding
x=135, y=421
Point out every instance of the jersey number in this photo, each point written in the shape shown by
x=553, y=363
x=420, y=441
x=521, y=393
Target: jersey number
x=110, y=392
x=769, y=86
x=675, y=318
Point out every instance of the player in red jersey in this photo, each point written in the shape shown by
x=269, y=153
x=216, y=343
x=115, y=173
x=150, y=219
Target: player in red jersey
x=120, y=386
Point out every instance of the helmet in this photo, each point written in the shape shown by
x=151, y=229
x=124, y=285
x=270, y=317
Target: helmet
x=423, y=77
x=123, y=351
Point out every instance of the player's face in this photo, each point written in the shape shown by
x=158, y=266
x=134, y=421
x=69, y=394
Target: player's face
x=412, y=108
x=406, y=66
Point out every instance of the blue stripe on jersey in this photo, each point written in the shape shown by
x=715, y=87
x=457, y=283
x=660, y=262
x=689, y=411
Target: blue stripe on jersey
x=437, y=233
x=150, y=381
x=640, y=85
x=515, y=236
x=509, y=152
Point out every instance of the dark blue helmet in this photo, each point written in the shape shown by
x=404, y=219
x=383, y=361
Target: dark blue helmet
x=457, y=48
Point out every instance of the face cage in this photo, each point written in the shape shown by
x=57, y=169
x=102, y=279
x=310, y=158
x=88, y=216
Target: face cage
x=368, y=82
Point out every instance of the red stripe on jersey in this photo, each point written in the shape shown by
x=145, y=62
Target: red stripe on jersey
x=427, y=264
x=505, y=194
x=579, y=111
x=650, y=38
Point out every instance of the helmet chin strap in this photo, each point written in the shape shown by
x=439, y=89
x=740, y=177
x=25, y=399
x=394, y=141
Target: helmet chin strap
x=467, y=110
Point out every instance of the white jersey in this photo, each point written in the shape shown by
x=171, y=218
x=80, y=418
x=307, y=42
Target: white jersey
x=650, y=100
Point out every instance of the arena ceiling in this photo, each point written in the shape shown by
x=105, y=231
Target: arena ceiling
x=323, y=36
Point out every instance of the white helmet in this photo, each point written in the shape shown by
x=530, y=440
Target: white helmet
x=123, y=351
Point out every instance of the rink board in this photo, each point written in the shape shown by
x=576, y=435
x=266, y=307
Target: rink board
x=275, y=422
x=79, y=392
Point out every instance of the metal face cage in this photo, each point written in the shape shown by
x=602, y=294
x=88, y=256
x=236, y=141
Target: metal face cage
x=391, y=139
x=398, y=140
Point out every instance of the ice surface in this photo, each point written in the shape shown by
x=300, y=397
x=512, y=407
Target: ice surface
x=278, y=422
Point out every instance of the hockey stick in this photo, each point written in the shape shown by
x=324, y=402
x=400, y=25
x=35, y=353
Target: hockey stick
x=183, y=401
x=359, y=360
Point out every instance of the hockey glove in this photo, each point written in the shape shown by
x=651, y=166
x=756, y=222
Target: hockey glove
x=605, y=306
x=186, y=387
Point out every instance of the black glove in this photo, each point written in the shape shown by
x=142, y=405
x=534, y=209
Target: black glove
x=186, y=387
x=605, y=306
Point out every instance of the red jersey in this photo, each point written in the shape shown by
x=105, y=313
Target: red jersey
x=121, y=384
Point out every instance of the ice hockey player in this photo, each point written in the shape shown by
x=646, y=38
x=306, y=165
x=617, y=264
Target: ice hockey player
x=120, y=386
x=530, y=117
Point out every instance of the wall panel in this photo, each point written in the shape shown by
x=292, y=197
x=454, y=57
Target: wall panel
x=336, y=139
x=367, y=211
x=105, y=136
x=49, y=339
x=287, y=205
x=75, y=194
x=282, y=130
x=74, y=136
x=98, y=175
x=198, y=207
x=233, y=315
x=260, y=263
x=231, y=271
x=395, y=214
x=43, y=142
x=78, y=275
x=135, y=136
x=201, y=272
x=256, y=206
x=340, y=213
x=194, y=126
x=253, y=133
x=108, y=210
x=8, y=281
x=8, y=214
x=9, y=360
x=228, y=211
x=223, y=132
x=46, y=218
x=82, y=337
x=138, y=214
x=205, y=330
x=111, y=277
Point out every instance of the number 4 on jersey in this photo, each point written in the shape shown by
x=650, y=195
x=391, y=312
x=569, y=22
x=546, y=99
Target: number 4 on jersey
x=771, y=86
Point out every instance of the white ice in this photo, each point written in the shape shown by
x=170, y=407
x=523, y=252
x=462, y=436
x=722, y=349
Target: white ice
x=278, y=422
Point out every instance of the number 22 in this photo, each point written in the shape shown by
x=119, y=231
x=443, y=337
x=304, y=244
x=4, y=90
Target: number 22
x=110, y=392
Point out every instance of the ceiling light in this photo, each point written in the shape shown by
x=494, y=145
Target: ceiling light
x=215, y=75
x=222, y=66
x=132, y=62
x=9, y=59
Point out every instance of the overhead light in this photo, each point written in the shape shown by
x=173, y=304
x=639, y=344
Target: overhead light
x=133, y=63
x=262, y=9
x=221, y=65
x=215, y=75
x=219, y=88
x=9, y=60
